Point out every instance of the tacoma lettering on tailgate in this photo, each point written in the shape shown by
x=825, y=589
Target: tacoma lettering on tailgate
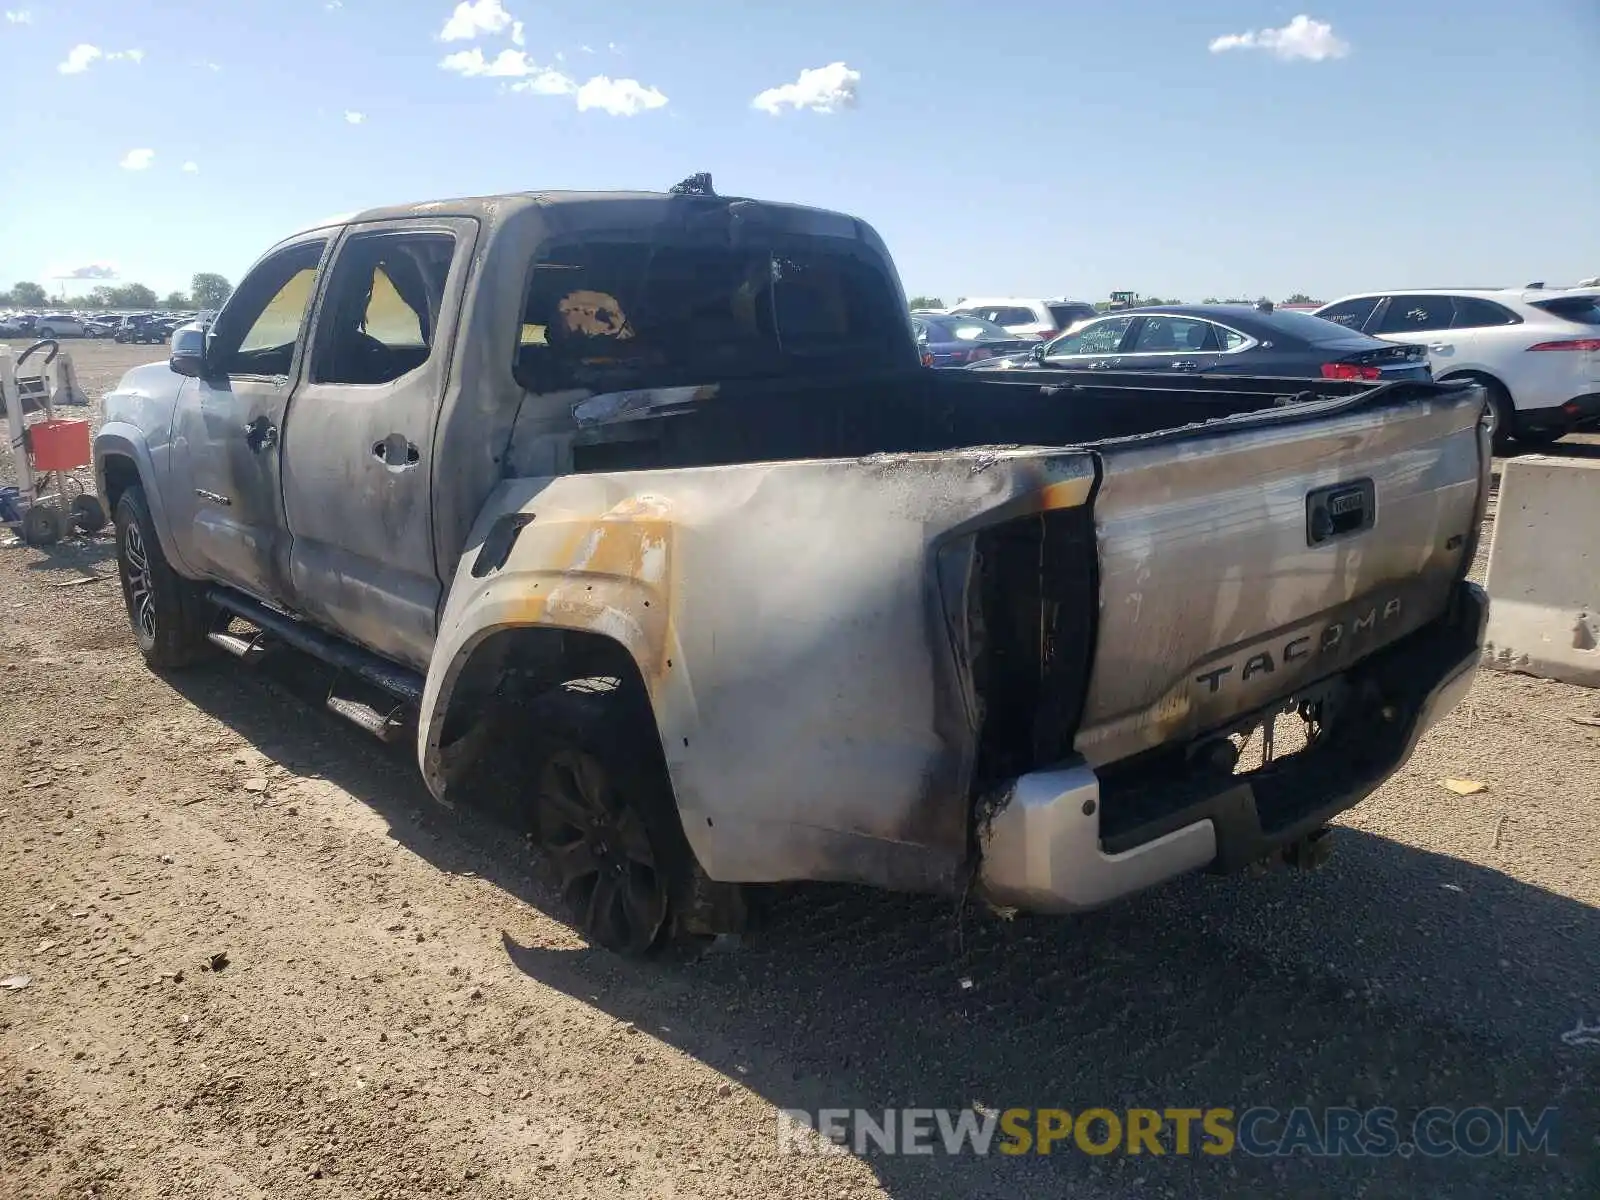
x=1334, y=636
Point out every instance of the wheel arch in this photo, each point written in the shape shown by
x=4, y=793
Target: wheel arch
x=122, y=460
x=1485, y=377
x=500, y=672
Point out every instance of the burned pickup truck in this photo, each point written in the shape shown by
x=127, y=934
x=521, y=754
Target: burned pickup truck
x=642, y=506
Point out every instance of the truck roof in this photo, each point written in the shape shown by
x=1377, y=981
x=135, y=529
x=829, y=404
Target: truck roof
x=497, y=208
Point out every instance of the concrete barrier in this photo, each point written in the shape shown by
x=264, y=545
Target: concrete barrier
x=1544, y=570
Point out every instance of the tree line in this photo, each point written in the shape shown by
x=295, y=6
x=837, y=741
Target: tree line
x=206, y=290
x=1102, y=305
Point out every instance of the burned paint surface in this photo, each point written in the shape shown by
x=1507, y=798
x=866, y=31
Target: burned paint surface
x=788, y=621
x=1213, y=602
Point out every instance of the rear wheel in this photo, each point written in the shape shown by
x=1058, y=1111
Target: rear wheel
x=170, y=617
x=1502, y=414
x=606, y=824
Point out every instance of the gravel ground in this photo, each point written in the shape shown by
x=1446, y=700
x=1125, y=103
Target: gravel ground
x=403, y=1013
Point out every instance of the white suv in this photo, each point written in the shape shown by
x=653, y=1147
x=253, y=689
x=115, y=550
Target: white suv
x=59, y=325
x=1535, y=349
x=1043, y=319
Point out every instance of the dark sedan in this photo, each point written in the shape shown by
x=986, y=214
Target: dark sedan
x=954, y=341
x=141, y=327
x=1230, y=339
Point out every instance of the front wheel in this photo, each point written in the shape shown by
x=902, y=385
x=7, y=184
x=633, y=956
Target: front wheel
x=169, y=616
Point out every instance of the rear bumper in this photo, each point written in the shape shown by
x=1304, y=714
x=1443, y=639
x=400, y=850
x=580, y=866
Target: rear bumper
x=1063, y=841
x=1580, y=412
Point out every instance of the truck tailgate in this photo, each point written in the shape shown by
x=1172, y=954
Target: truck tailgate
x=1244, y=560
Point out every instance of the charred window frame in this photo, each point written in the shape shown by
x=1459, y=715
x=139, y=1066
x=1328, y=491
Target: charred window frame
x=249, y=303
x=415, y=265
x=631, y=310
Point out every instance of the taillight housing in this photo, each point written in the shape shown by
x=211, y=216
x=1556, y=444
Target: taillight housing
x=1342, y=370
x=927, y=358
x=1569, y=344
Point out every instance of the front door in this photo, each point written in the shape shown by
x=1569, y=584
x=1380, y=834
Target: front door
x=358, y=440
x=1093, y=346
x=228, y=505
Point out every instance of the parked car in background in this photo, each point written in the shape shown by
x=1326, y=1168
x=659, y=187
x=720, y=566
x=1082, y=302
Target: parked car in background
x=1036, y=319
x=1222, y=339
x=1536, y=350
x=59, y=325
x=140, y=327
x=101, y=327
x=950, y=341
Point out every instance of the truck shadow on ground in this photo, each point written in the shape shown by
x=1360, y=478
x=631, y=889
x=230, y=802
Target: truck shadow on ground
x=1394, y=977
x=1564, y=449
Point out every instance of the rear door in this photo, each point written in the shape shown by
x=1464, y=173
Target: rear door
x=1172, y=343
x=358, y=441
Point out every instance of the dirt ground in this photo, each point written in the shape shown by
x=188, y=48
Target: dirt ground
x=402, y=1012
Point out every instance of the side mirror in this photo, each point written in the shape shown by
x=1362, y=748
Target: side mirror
x=188, y=353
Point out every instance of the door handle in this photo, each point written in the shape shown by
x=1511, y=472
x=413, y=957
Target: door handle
x=396, y=452
x=1439, y=347
x=261, y=434
x=1184, y=364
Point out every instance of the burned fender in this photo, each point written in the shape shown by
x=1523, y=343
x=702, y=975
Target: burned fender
x=792, y=626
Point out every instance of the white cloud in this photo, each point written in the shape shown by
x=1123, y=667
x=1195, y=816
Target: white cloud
x=1302, y=37
x=612, y=46
x=83, y=54
x=137, y=160
x=474, y=18
x=79, y=58
x=587, y=49
x=334, y=5
x=548, y=83
x=354, y=118
x=191, y=168
x=517, y=38
x=511, y=64
x=92, y=271
x=19, y=16
x=820, y=89
x=619, y=97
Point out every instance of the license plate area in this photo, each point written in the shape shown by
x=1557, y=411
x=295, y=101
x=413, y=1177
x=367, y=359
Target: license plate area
x=1340, y=511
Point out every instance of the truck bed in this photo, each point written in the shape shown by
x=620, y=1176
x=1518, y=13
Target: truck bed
x=918, y=411
x=866, y=609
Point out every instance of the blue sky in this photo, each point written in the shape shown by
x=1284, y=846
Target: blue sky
x=1062, y=148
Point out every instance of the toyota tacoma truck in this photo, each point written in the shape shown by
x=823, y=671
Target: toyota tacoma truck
x=640, y=509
